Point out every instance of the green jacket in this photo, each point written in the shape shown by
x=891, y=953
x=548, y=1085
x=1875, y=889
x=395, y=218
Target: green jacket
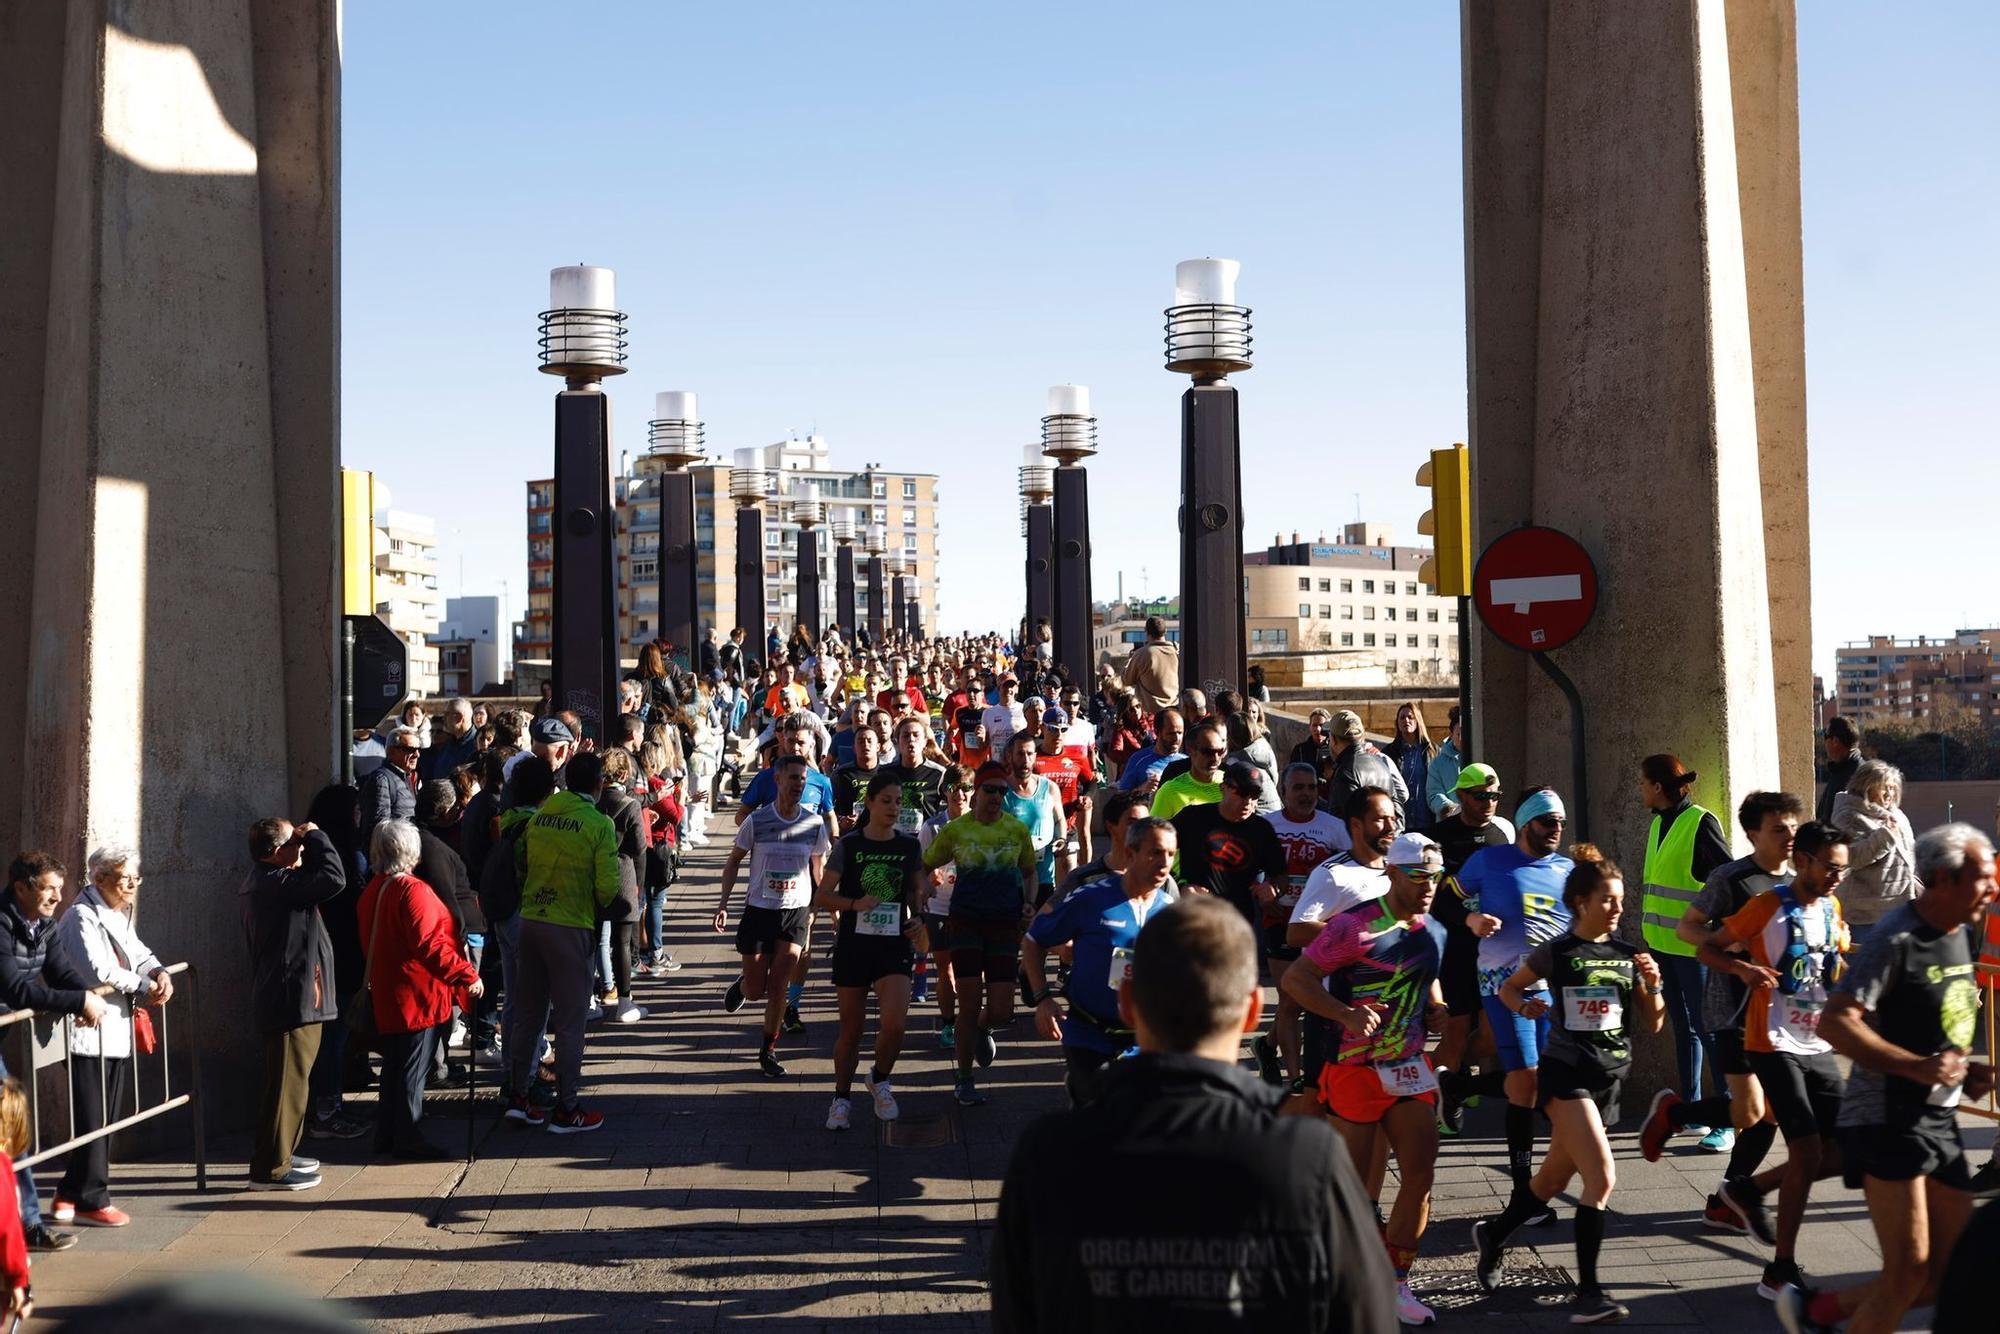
x=571, y=862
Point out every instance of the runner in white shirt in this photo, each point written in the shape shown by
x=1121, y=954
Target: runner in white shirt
x=1349, y=879
x=1005, y=718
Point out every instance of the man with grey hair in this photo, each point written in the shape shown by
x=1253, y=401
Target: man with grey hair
x=1180, y=1199
x=1905, y=1012
x=452, y=744
x=390, y=792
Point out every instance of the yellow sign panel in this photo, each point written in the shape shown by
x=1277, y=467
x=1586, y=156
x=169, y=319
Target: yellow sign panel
x=357, y=542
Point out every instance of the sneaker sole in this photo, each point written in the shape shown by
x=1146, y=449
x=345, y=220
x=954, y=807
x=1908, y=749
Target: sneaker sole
x=1478, y=1251
x=1652, y=1111
x=1743, y=1216
x=1733, y=1225
x=555, y=1129
x=284, y=1185
x=1769, y=1293
x=1605, y=1316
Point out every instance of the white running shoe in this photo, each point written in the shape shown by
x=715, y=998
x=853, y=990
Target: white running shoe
x=885, y=1100
x=628, y=1013
x=837, y=1114
x=1410, y=1311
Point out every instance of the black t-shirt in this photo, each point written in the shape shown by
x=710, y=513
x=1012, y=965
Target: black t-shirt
x=1921, y=992
x=850, y=792
x=1226, y=858
x=875, y=868
x=1458, y=840
x=923, y=793
x=1590, y=992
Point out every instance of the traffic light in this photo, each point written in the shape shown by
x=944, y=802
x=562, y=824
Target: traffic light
x=1448, y=522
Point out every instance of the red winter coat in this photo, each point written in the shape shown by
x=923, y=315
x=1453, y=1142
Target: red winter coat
x=414, y=965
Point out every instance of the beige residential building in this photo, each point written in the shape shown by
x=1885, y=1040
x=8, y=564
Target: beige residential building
x=1358, y=597
x=1927, y=681
x=406, y=589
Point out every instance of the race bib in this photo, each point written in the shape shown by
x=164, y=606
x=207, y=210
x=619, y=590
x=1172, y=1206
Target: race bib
x=1592, y=1009
x=1407, y=1079
x=780, y=883
x=884, y=919
x=909, y=819
x=1289, y=896
x=1121, y=968
x=1799, y=1017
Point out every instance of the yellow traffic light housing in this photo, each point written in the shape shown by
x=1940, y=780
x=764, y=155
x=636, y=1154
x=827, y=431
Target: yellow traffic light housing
x=1448, y=522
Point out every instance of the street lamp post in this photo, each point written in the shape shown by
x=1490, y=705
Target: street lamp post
x=747, y=487
x=807, y=513
x=1208, y=337
x=899, y=597
x=914, y=614
x=675, y=438
x=878, y=542
x=1069, y=436
x=583, y=340
x=844, y=531
x=1038, y=521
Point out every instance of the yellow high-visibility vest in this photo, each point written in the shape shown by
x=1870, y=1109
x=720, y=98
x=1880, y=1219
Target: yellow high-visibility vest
x=1671, y=884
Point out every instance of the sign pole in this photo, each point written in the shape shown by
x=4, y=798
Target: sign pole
x=1578, y=773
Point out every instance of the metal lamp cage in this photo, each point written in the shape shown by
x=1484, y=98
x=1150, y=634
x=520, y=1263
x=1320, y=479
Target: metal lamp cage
x=1208, y=340
x=678, y=442
x=749, y=486
x=1068, y=439
x=583, y=344
x=844, y=528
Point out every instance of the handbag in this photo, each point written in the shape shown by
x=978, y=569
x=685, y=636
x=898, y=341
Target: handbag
x=358, y=1015
x=144, y=1039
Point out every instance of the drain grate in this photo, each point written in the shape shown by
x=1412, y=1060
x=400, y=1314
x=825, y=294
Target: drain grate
x=1447, y=1283
x=920, y=1132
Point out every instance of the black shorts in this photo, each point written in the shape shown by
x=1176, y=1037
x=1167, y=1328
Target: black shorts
x=1930, y=1148
x=1275, y=949
x=983, y=947
x=1458, y=972
x=762, y=928
x=1561, y=1081
x=862, y=961
x=1803, y=1091
x=1725, y=1048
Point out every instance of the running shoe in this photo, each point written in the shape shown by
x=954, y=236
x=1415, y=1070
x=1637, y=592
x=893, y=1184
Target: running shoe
x=920, y=989
x=1546, y=1218
x=1594, y=1308
x=109, y=1216
x=628, y=1013
x=1722, y=1218
x=1266, y=1053
x=1794, y=1306
x=1778, y=1276
x=1719, y=1140
x=837, y=1115
x=1657, y=1128
x=1695, y=1128
x=948, y=1036
x=732, y=999
x=767, y=1061
x=522, y=1109
x=794, y=1024
x=988, y=1049
x=574, y=1121
x=338, y=1126
x=42, y=1237
x=666, y=963
x=1410, y=1311
x=62, y=1211
x=642, y=968
x=1451, y=1107
x=1489, y=1267
x=301, y=1163
x=885, y=1099
x=1747, y=1203
x=966, y=1093
x=292, y=1180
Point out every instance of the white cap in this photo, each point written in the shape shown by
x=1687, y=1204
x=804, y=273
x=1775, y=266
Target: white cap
x=1414, y=850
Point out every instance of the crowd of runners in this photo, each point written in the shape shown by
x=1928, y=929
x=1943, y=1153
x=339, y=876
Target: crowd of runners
x=950, y=823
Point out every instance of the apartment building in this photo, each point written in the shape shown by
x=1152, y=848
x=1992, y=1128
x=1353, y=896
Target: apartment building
x=471, y=650
x=1926, y=681
x=1358, y=596
x=406, y=589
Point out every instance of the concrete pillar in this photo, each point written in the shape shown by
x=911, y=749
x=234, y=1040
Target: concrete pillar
x=180, y=661
x=1620, y=356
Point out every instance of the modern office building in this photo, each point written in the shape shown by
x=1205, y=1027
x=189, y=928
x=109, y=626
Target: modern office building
x=1939, y=681
x=903, y=504
x=472, y=651
x=406, y=588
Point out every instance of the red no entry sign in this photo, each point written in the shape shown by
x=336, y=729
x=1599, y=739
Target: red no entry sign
x=1535, y=588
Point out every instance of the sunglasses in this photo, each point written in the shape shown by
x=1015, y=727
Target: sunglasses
x=962, y=789
x=1431, y=874
x=993, y=789
x=1210, y=751
x=1480, y=794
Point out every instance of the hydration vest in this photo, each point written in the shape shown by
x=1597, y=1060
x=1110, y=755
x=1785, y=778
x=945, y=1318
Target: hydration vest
x=1799, y=967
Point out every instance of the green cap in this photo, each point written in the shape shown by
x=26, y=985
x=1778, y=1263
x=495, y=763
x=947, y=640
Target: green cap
x=1475, y=775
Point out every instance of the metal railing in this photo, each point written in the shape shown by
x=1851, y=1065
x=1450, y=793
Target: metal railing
x=42, y=1053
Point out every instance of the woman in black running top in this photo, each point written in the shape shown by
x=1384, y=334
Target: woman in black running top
x=1595, y=982
x=871, y=883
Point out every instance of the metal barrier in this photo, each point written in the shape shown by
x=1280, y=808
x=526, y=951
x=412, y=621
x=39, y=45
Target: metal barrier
x=42, y=1054
x=1989, y=982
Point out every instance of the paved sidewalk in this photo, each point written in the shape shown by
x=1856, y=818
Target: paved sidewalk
x=715, y=1197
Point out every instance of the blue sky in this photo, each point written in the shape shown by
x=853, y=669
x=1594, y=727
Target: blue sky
x=898, y=224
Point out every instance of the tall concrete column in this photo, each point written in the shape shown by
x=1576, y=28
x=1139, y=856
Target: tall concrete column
x=1634, y=382
x=174, y=673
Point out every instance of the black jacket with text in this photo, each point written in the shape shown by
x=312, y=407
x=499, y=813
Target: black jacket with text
x=1180, y=1200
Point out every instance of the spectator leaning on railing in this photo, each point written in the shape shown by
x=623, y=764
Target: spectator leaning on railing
x=95, y=940
x=35, y=887
x=292, y=988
